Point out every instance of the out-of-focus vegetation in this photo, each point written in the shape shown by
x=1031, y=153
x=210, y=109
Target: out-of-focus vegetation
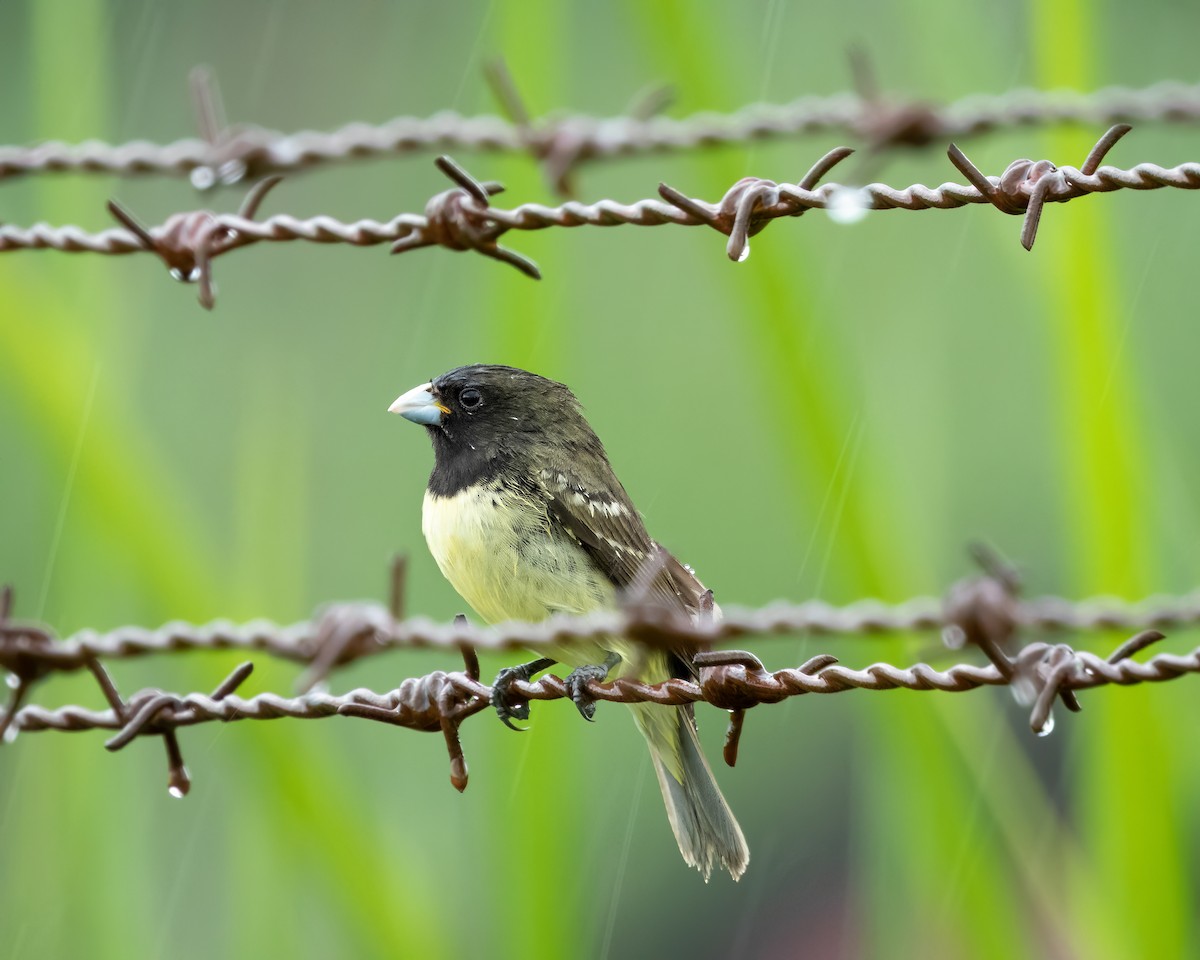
x=834, y=418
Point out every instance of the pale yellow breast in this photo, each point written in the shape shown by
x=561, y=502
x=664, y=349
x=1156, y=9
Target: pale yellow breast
x=504, y=557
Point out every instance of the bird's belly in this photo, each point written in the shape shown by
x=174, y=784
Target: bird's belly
x=507, y=560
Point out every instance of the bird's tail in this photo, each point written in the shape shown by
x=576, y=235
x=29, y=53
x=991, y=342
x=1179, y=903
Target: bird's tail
x=704, y=826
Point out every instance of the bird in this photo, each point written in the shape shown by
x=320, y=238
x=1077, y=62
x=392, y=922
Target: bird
x=525, y=517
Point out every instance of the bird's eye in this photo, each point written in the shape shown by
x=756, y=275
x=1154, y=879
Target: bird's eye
x=470, y=398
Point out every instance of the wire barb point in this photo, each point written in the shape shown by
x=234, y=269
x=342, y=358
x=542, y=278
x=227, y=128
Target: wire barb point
x=1026, y=186
x=751, y=203
x=984, y=608
x=188, y=242
x=459, y=219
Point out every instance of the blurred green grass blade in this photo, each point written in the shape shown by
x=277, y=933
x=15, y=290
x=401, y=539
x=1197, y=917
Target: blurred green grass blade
x=270, y=557
x=122, y=493
x=1128, y=765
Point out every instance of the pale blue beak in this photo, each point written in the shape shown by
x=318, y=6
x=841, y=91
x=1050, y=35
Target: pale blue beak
x=420, y=406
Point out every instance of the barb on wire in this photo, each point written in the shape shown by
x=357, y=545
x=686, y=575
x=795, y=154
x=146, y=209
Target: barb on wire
x=733, y=680
x=226, y=154
x=32, y=651
x=984, y=611
x=346, y=632
x=188, y=242
x=150, y=712
x=1025, y=186
x=885, y=121
x=561, y=145
x=742, y=212
x=434, y=702
x=458, y=220
x=463, y=219
x=22, y=649
x=231, y=148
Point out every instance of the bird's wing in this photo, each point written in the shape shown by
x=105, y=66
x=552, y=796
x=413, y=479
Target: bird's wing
x=601, y=517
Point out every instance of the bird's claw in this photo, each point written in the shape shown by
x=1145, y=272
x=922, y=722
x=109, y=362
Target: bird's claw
x=509, y=705
x=576, y=684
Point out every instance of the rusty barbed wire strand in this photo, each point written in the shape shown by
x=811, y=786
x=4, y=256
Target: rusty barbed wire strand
x=983, y=611
x=228, y=154
x=463, y=219
x=730, y=680
x=378, y=632
x=744, y=681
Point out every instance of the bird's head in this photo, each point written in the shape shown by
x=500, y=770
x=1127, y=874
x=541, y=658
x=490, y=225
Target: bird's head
x=485, y=412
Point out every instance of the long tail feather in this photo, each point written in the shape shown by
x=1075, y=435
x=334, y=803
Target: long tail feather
x=704, y=826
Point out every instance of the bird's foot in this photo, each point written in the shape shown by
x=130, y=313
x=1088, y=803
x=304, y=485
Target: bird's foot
x=577, y=681
x=509, y=705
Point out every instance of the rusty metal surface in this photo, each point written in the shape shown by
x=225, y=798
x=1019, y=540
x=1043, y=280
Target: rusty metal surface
x=463, y=218
x=374, y=631
x=730, y=680
x=983, y=612
x=225, y=154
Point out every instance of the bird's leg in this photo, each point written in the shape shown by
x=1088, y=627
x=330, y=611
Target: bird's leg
x=577, y=681
x=508, y=705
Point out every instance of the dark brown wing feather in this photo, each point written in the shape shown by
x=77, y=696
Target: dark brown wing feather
x=601, y=517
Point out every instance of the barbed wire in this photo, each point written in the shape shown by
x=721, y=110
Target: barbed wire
x=730, y=680
x=982, y=611
x=225, y=154
x=464, y=219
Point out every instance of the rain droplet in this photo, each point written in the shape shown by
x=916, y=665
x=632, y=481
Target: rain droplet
x=203, y=178
x=847, y=205
x=745, y=254
x=232, y=171
x=192, y=277
x=12, y=680
x=1047, y=728
x=11, y=733
x=179, y=783
x=954, y=637
x=1023, y=691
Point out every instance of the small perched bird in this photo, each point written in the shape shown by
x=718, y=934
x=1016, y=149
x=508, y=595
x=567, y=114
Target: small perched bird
x=526, y=518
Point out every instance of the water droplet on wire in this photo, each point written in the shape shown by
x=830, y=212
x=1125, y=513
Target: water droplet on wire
x=203, y=178
x=231, y=172
x=11, y=733
x=745, y=254
x=1023, y=691
x=12, y=680
x=954, y=637
x=847, y=205
x=1047, y=728
x=179, y=783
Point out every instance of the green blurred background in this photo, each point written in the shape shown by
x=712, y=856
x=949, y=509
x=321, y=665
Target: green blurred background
x=835, y=418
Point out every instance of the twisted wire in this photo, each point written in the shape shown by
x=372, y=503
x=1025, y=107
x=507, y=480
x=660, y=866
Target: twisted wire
x=303, y=641
x=793, y=201
x=983, y=611
x=252, y=150
x=737, y=681
x=646, y=213
x=279, y=228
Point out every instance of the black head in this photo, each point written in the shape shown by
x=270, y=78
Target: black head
x=487, y=419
